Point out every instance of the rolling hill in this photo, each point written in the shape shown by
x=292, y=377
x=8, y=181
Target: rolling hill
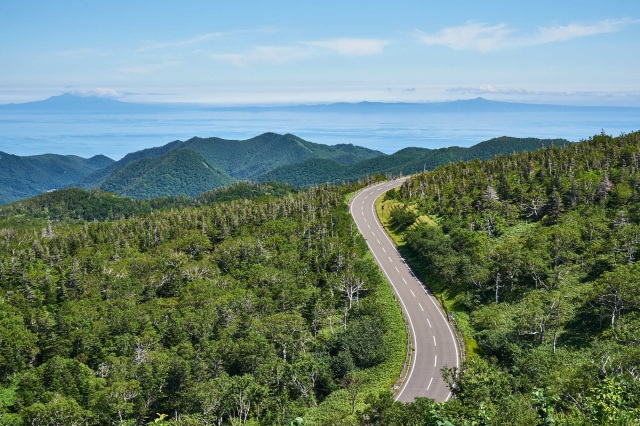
x=217, y=162
x=406, y=161
x=24, y=177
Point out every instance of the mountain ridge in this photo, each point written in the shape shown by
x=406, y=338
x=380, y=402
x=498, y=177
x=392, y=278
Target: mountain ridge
x=75, y=103
x=23, y=177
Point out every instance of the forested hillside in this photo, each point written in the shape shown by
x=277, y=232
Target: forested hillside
x=250, y=311
x=165, y=170
x=24, y=177
x=406, y=161
x=180, y=172
x=536, y=255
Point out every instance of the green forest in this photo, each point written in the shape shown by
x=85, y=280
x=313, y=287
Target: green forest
x=243, y=312
x=536, y=256
x=260, y=304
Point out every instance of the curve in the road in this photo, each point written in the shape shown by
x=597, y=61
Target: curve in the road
x=434, y=344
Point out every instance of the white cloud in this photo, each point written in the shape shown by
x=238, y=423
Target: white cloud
x=350, y=46
x=471, y=36
x=485, y=89
x=567, y=32
x=79, y=53
x=153, y=45
x=263, y=54
x=302, y=50
x=484, y=37
x=148, y=68
x=104, y=92
x=201, y=38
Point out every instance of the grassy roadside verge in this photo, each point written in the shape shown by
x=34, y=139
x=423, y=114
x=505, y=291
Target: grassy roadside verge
x=449, y=297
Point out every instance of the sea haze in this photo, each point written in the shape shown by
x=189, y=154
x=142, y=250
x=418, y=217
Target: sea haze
x=114, y=134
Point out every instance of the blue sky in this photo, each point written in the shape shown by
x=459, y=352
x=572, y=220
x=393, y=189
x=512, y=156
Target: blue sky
x=262, y=52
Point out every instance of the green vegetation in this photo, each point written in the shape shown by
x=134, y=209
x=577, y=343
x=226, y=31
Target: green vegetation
x=539, y=251
x=24, y=177
x=406, y=161
x=243, y=312
x=197, y=165
x=247, y=191
x=73, y=205
x=180, y=172
x=201, y=164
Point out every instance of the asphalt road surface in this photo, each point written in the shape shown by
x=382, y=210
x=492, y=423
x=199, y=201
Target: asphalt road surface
x=434, y=345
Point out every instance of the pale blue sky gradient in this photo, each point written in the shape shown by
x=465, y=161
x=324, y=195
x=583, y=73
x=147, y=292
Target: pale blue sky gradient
x=264, y=52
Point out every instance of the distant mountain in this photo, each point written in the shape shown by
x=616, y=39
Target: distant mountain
x=477, y=105
x=217, y=162
x=24, y=177
x=406, y=161
x=69, y=103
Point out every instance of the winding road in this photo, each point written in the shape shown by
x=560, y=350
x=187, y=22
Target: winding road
x=434, y=345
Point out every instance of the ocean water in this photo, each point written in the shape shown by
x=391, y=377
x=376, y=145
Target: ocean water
x=116, y=135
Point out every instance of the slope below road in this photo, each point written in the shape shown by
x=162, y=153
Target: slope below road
x=434, y=345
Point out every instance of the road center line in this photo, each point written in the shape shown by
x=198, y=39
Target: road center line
x=414, y=295
x=405, y=281
x=397, y=270
x=378, y=241
x=429, y=322
x=421, y=307
x=434, y=341
x=390, y=260
x=430, y=383
x=435, y=361
x=385, y=251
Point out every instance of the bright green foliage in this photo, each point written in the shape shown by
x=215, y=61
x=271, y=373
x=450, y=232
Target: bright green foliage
x=180, y=172
x=227, y=313
x=246, y=191
x=406, y=161
x=202, y=164
x=540, y=251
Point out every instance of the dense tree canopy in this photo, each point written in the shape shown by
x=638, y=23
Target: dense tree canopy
x=225, y=313
x=539, y=252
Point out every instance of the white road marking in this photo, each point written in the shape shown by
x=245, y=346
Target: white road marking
x=430, y=383
x=435, y=361
x=378, y=241
x=434, y=341
x=414, y=295
x=421, y=307
x=375, y=193
x=397, y=270
x=374, y=234
x=365, y=219
x=385, y=251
